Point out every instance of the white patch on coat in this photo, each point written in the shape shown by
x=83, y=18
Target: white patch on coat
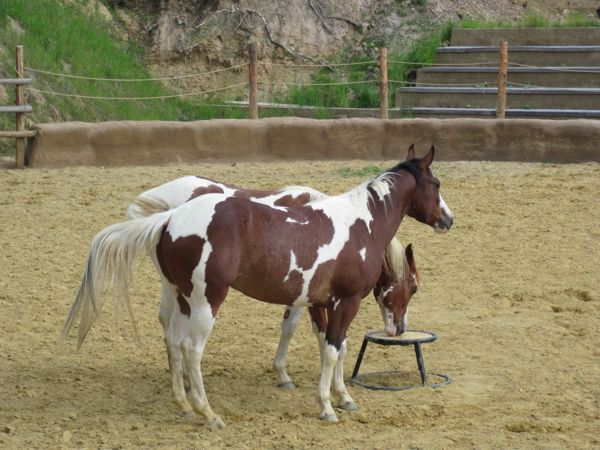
x=293, y=266
x=194, y=217
x=336, y=303
x=290, y=220
x=179, y=191
x=343, y=211
x=363, y=253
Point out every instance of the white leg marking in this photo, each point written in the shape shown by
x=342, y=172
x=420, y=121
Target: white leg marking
x=197, y=331
x=288, y=327
x=339, y=388
x=328, y=361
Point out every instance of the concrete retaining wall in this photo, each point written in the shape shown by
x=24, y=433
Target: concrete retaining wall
x=152, y=142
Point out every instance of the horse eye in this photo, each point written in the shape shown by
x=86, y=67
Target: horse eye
x=414, y=290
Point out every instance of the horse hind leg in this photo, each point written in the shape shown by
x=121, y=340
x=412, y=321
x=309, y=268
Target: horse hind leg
x=289, y=323
x=198, y=328
x=173, y=340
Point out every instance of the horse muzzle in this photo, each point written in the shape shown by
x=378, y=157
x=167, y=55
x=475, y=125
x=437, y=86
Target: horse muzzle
x=443, y=224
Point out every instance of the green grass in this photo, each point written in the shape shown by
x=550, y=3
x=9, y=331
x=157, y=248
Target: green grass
x=366, y=171
x=63, y=37
x=60, y=37
x=532, y=19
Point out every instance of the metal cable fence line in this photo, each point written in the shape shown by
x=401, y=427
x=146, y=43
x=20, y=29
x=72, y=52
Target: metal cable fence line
x=431, y=64
x=157, y=97
x=339, y=83
x=417, y=84
x=124, y=80
x=358, y=63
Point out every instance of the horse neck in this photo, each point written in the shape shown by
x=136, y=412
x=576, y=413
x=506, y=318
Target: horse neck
x=389, y=212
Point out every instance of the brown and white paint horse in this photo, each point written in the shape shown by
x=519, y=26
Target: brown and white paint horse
x=397, y=283
x=327, y=253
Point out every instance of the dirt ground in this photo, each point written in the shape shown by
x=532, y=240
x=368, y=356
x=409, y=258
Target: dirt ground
x=512, y=292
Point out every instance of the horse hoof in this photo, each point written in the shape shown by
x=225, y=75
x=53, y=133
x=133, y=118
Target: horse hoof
x=216, y=422
x=331, y=418
x=348, y=406
x=287, y=385
x=187, y=414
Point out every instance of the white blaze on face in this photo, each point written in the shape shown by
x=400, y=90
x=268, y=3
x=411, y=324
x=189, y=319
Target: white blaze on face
x=363, y=253
x=388, y=322
x=445, y=208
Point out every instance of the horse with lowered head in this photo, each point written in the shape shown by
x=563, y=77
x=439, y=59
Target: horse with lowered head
x=327, y=253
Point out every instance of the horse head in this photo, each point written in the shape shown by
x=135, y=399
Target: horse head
x=428, y=206
x=394, y=290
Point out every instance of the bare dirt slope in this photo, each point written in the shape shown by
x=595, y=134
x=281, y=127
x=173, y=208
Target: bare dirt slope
x=512, y=292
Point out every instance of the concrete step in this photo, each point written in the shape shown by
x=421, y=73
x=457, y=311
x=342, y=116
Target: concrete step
x=534, y=55
x=516, y=97
x=539, y=76
x=446, y=113
x=525, y=36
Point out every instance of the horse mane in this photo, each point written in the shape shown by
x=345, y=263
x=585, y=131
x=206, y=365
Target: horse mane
x=394, y=260
x=412, y=166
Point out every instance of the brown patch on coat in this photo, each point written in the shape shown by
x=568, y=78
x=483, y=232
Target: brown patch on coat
x=349, y=276
x=184, y=306
x=178, y=259
x=291, y=201
x=253, y=243
x=211, y=189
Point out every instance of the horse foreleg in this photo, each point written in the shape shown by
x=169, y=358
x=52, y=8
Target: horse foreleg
x=318, y=317
x=288, y=327
x=345, y=402
x=334, y=349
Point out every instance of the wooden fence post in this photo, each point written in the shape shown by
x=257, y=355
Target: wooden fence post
x=252, y=82
x=383, y=84
x=20, y=101
x=502, y=71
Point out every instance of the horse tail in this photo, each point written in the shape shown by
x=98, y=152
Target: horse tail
x=146, y=205
x=109, y=267
x=394, y=260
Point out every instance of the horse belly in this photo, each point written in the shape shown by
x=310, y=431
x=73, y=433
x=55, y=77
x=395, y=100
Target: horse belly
x=271, y=286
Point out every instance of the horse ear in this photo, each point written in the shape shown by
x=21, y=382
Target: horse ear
x=410, y=257
x=411, y=152
x=428, y=158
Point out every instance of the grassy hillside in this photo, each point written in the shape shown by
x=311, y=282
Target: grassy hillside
x=69, y=38
x=75, y=40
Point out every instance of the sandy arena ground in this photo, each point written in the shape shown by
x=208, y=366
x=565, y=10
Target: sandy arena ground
x=512, y=292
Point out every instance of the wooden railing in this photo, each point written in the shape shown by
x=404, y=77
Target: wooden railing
x=19, y=109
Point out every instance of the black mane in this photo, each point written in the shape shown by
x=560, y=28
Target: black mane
x=412, y=165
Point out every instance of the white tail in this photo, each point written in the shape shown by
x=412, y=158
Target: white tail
x=145, y=205
x=109, y=267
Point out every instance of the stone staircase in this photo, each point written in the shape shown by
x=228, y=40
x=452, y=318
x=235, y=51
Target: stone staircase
x=553, y=73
